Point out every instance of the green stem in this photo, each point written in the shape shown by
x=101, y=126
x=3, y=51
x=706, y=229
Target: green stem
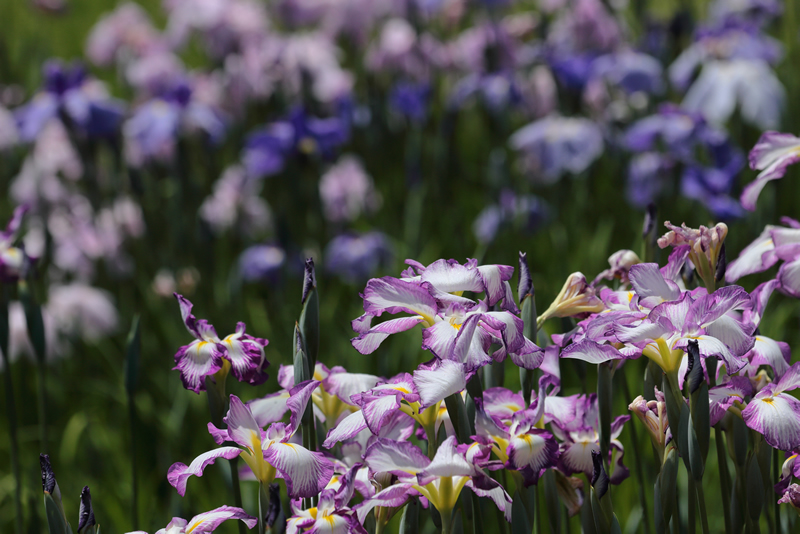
x=134, y=481
x=692, y=511
x=42, y=393
x=430, y=434
x=447, y=521
x=11, y=411
x=237, y=490
x=701, y=503
x=637, y=460
x=262, y=500
x=776, y=473
x=724, y=477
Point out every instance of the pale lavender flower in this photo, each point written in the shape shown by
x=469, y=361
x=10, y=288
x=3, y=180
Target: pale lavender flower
x=347, y=191
x=235, y=202
x=9, y=135
x=356, y=257
x=772, y=154
x=631, y=71
x=314, y=57
x=126, y=31
x=262, y=263
x=555, y=145
x=82, y=311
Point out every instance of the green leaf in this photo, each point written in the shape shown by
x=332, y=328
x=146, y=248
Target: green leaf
x=33, y=320
x=309, y=317
x=701, y=419
x=754, y=490
x=668, y=480
x=458, y=417
x=604, y=398
x=520, y=523
x=132, y=356
x=56, y=522
x=409, y=521
x=693, y=452
x=551, y=501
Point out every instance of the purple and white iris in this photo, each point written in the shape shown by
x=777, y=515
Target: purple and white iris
x=242, y=353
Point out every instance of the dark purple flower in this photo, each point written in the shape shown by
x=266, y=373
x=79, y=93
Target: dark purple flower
x=67, y=93
x=411, y=100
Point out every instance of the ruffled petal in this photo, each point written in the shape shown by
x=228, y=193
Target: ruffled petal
x=179, y=473
x=297, y=401
x=592, y=352
x=789, y=278
x=391, y=295
x=754, y=257
x=367, y=342
x=396, y=457
x=209, y=521
x=306, y=473
x=196, y=361
x=269, y=409
x=444, y=379
x=536, y=449
x=242, y=426
x=347, y=428
x=777, y=418
x=484, y=486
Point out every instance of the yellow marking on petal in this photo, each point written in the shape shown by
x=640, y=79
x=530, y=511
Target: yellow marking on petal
x=401, y=389
x=769, y=400
x=512, y=407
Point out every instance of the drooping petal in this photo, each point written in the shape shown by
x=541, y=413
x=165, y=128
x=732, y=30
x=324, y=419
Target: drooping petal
x=209, y=521
x=196, y=361
x=179, y=473
x=592, y=352
x=377, y=410
x=767, y=351
x=733, y=333
x=451, y=277
x=447, y=462
x=297, y=401
x=483, y=486
x=772, y=154
x=396, y=457
x=754, y=258
x=434, y=385
x=391, y=295
x=648, y=282
x=493, y=277
x=502, y=403
x=306, y=473
x=777, y=418
x=723, y=397
x=789, y=278
x=367, y=342
x=345, y=385
x=246, y=354
x=347, y=428
x=536, y=449
x=269, y=409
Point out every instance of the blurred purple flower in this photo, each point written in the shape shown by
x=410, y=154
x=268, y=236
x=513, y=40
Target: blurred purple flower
x=9, y=135
x=555, y=145
x=68, y=94
x=267, y=149
x=347, y=191
x=411, y=100
x=631, y=71
x=528, y=213
x=754, y=11
x=262, y=263
x=126, y=31
x=357, y=257
x=236, y=202
x=153, y=130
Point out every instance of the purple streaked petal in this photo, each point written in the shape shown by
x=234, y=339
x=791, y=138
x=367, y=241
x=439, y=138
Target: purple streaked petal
x=377, y=409
x=709, y=308
x=577, y=457
x=445, y=379
x=536, y=449
x=367, y=342
x=269, y=409
x=483, y=486
x=675, y=263
x=396, y=457
x=209, y=521
x=345, y=385
x=789, y=278
x=179, y=473
x=648, y=281
x=677, y=313
x=560, y=410
x=391, y=295
x=773, y=152
x=347, y=428
x=196, y=361
x=394, y=496
x=723, y=396
x=644, y=332
x=447, y=462
x=440, y=338
x=777, y=418
x=754, y=257
x=219, y=435
x=529, y=356
x=733, y=333
x=767, y=351
x=298, y=399
x=306, y=473
x=242, y=426
x=509, y=326
x=450, y=276
x=502, y=403
x=246, y=354
x=493, y=277
x=790, y=379
x=619, y=471
x=591, y=352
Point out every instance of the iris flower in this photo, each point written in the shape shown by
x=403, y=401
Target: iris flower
x=205, y=522
x=268, y=453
